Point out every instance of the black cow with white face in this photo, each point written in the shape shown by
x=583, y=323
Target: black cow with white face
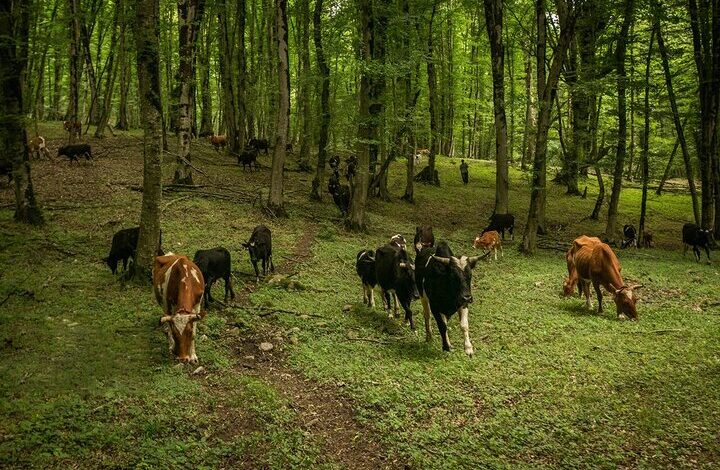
x=444, y=282
x=365, y=268
x=697, y=237
x=424, y=238
x=396, y=275
x=629, y=236
x=259, y=247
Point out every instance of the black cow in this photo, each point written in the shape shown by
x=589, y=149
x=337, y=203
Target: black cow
x=629, y=236
x=398, y=242
x=697, y=237
x=259, y=144
x=248, y=157
x=334, y=163
x=444, y=283
x=424, y=238
x=351, y=164
x=214, y=264
x=340, y=193
x=123, y=247
x=365, y=268
x=396, y=276
x=260, y=248
x=75, y=150
x=500, y=223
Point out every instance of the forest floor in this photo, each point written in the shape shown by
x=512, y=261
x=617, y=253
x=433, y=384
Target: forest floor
x=88, y=381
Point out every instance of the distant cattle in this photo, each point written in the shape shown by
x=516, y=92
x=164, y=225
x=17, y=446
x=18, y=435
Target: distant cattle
x=38, y=148
x=396, y=278
x=248, y=157
x=179, y=288
x=340, y=193
x=123, y=247
x=72, y=152
x=696, y=237
x=334, y=162
x=500, y=223
x=424, y=238
x=259, y=144
x=73, y=127
x=597, y=264
x=489, y=241
x=572, y=279
x=365, y=268
x=218, y=141
x=215, y=264
x=629, y=236
x=259, y=247
x=647, y=239
x=444, y=283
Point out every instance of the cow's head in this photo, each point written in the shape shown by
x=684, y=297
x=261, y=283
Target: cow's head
x=112, y=264
x=253, y=249
x=423, y=237
x=460, y=272
x=707, y=237
x=568, y=287
x=407, y=276
x=399, y=241
x=181, y=334
x=625, y=301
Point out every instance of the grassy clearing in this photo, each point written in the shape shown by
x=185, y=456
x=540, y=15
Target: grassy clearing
x=90, y=384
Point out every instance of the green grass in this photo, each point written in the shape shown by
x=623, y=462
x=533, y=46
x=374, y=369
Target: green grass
x=87, y=380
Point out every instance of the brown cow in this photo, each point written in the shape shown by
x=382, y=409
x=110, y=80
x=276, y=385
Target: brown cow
x=218, y=141
x=647, y=239
x=489, y=241
x=598, y=264
x=179, y=289
x=73, y=127
x=572, y=279
x=38, y=147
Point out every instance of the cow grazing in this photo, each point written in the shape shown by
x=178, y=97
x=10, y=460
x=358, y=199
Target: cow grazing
x=629, y=237
x=340, y=193
x=500, y=223
x=444, y=283
x=365, y=268
x=248, y=157
x=179, y=289
x=73, y=127
x=74, y=151
x=572, y=279
x=214, y=264
x=597, y=264
x=396, y=277
x=696, y=237
x=647, y=239
x=259, y=247
x=259, y=144
x=218, y=141
x=489, y=241
x=123, y=247
x=38, y=148
x=424, y=238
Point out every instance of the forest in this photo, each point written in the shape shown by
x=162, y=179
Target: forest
x=293, y=147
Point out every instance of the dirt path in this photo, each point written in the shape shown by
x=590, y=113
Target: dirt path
x=321, y=409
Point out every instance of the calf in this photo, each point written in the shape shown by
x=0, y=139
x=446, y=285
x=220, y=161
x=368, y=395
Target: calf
x=218, y=141
x=38, y=147
x=444, y=283
x=647, y=239
x=489, y=241
x=259, y=144
x=123, y=247
x=597, y=264
x=500, y=223
x=214, y=264
x=259, y=247
x=365, y=268
x=629, y=236
x=572, y=279
x=179, y=288
x=248, y=157
x=340, y=193
x=396, y=276
x=73, y=127
x=424, y=238
x=697, y=237
x=75, y=150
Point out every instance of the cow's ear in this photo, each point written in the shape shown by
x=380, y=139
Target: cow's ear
x=636, y=286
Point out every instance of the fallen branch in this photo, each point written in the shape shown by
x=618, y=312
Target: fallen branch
x=270, y=311
x=659, y=332
x=174, y=201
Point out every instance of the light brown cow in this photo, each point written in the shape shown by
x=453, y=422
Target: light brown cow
x=598, y=264
x=73, y=127
x=218, y=141
x=489, y=241
x=38, y=147
x=179, y=288
x=572, y=279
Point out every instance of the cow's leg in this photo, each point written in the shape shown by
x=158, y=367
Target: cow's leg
x=696, y=252
x=125, y=261
x=707, y=252
x=598, y=292
x=511, y=230
x=502, y=255
x=371, y=293
x=586, y=293
x=264, y=266
x=409, y=316
x=426, y=316
x=257, y=273
x=442, y=328
x=396, y=305
x=366, y=294
x=228, y=287
x=465, y=326
x=193, y=357
x=495, y=252
x=685, y=248
x=272, y=266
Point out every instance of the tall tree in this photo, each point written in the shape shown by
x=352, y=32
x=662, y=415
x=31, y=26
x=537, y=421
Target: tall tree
x=645, y=141
x=494, y=23
x=74, y=103
x=124, y=60
x=14, y=27
x=226, y=62
x=432, y=102
x=324, y=73
x=206, y=121
x=111, y=74
x=528, y=146
x=282, y=123
x=304, y=83
x=147, y=45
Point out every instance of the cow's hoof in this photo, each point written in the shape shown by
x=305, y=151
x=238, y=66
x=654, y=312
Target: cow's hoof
x=622, y=317
x=469, y=351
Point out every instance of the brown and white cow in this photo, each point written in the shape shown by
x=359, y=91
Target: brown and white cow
x=179, y=289
x=572, y=279
x=489, y=241
x=598, y=264
x=38, y=147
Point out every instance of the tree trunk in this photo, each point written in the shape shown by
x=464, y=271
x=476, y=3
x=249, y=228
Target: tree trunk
x=407, y=82
x=241, y=8
x=73, y=105
x=275, y=201
x=666, y=173
x=111, y=74
x=601, y=194
x=528, y=148
x=225, y=63
x=494, y=22
x=91, y=79
x=304, y=98
x=147, y=33
x=611, y=227
x=432, y=100
x=190, y=13
x=324, y=72
x=206, y=120
x=124, y=65
x=14, y=32
x=645, y=140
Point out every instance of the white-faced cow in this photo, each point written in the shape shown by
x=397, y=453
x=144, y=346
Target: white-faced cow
x=179, y=289
x=444, y=283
